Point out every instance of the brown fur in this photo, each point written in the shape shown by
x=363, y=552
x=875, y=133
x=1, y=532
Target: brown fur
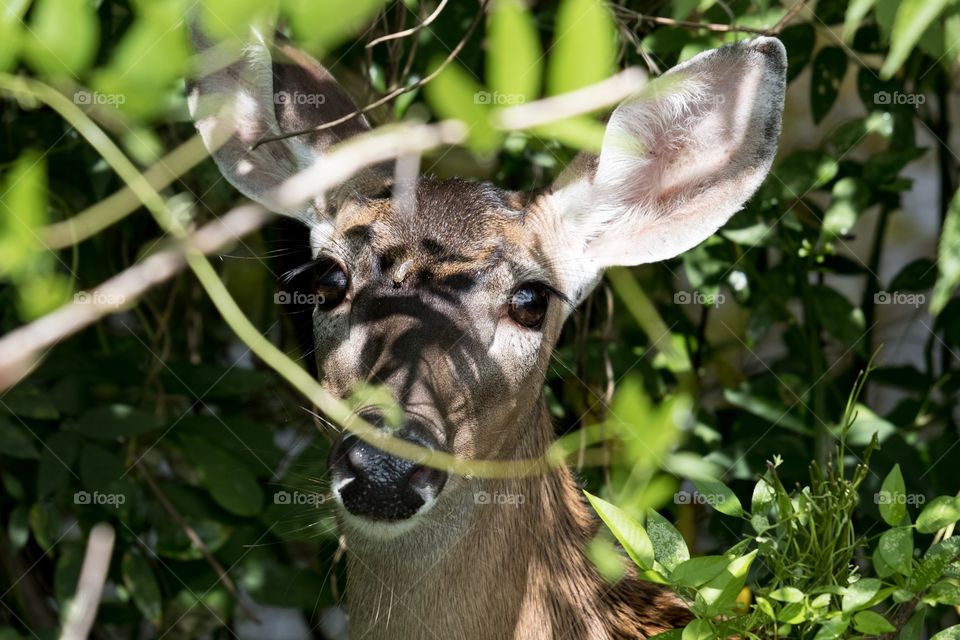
x=440, y=336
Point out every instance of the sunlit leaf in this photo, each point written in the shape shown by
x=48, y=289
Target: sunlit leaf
x=514, y=54
x=941, y=511
x=628, y=531
x=913, y=18
x=892, y=499
x=584, y=46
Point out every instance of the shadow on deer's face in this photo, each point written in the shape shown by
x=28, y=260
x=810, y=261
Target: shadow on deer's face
x=455, y=306
x=452, y=294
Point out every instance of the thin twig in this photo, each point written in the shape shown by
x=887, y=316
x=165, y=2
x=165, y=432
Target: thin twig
x=18, y=348
x=198, y=543
x=412, y=30
x=390, y=96
x=794, y=10
x=96, y=561
x=586, y=100
x=686, y=24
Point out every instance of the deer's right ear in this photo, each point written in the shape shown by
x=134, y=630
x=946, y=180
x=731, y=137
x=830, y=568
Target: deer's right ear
x=269, y=90
x=678, y=159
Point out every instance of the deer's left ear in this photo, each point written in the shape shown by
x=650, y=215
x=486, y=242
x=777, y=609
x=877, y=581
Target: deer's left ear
x=678, y=159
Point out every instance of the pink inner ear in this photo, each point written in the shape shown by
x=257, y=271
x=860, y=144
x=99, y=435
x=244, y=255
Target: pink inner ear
x=680, y=158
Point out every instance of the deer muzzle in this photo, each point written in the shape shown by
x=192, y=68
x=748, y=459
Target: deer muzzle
x=375, y=485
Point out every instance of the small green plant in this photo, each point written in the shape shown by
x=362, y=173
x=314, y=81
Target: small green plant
x=804, y=562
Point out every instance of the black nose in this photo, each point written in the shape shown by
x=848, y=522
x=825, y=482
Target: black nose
x=379, y=486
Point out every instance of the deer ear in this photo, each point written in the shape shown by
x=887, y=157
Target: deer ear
x=678, y=159
x=269, y=90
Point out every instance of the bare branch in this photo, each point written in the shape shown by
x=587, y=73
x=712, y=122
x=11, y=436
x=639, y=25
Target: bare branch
x=197, y=542
x=393, y=94
x=93, y=574
x=586, y=100
x=20, y=348
x=412, y=30
x=687, y=24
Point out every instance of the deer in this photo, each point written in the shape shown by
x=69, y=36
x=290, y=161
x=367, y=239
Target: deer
x=454, y=300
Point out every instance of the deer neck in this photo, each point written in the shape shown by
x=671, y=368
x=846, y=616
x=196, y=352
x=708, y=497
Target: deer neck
x=505, y=559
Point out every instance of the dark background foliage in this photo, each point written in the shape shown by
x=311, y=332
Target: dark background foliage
x=160, y=421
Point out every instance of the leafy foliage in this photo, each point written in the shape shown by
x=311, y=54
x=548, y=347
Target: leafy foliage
x=159, y=421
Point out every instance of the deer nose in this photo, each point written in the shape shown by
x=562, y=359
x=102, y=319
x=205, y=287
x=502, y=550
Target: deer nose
x=379, y=486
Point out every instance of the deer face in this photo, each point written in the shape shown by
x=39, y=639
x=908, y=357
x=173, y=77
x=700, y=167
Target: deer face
x=453, y=294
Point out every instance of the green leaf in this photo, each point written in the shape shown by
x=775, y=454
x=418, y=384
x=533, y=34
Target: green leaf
x=764, y=495
x=56, y=462
x=628, y=531
x=859, y=594
x=18, y=527
x=514, y=53
x=114, y=421
x=896, y=547
x=720, y=497
x=850, y=197
x=669, y=548
x=829, y=67
x=16, y=441
x=832, y=628
x=939, y=513
x=948, y=258
x=951, y=633
x=913, y=18
x=698, y=630
x=838, y=315
x=454, y=93
x=142, y=584
x=720, y=593
x=45, y=524
x=584, y=47
x=787, y=594
x=697, y=571
x=934, y=562
x=872, y=623
x=914, y=627
x=856, y=12
x=918, y=275
x=323, y=25
x=892, y=499
x=63, y=37
x=798, y=40
x=228, y=481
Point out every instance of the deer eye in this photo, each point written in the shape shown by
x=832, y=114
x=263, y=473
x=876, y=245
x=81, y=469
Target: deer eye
x=322, y=283
x=528, y=304
x=330, y=283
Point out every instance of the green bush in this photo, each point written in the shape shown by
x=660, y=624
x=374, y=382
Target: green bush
x=161, y=421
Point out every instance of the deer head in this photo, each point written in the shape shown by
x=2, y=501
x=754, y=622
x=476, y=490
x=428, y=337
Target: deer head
x=454, y=295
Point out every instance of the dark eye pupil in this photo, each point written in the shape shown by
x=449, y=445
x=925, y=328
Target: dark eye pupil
x=320, y=283
x=528, y=305
x=330, y=283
